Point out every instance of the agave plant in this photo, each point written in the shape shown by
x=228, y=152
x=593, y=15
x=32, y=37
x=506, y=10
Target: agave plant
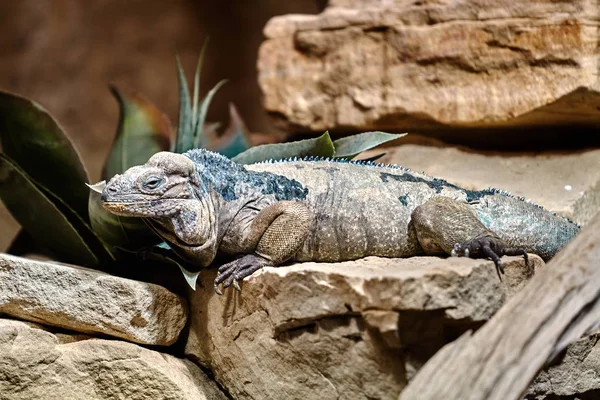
x=42, y=179
x=42, y=184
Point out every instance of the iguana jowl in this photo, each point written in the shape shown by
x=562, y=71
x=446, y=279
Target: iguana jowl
x=202, y=204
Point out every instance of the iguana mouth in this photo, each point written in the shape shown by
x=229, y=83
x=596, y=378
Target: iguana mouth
x=125, y=206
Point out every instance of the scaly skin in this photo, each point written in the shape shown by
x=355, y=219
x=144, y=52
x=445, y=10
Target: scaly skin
x=267, y=213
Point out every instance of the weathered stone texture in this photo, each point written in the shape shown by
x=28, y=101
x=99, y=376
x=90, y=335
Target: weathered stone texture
x=576, y=376
x=36, y=364
x=567, y=183
x=88, y=301
x=355, y=329
x=428, y=64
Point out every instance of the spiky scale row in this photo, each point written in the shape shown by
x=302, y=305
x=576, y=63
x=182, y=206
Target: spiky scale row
x=490, y=190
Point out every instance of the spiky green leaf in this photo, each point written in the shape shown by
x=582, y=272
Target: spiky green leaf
x=41, y=217
x=235, y=138
x=143, y=130
x=317, y=147
x=201, y=118
x=35, y=141
x=185, y=130
x=351, y=146
x=196, y=96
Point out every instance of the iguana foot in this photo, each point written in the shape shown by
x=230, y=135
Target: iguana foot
x=236, y=270
x=488, y=246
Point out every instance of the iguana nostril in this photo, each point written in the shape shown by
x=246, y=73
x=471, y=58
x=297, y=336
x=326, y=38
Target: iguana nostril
x=108, y=191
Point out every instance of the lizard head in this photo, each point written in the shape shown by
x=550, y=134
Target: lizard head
x=155, y=189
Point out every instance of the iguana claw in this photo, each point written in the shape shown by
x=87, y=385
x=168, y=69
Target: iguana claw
x=235, y=271
x=489, y=247
x=217, y=290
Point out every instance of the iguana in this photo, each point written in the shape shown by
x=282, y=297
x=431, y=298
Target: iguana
x=312, y=209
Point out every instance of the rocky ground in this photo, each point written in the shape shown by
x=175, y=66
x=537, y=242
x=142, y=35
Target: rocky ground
x=360, y=329
x=356, y=330
x=352, y=330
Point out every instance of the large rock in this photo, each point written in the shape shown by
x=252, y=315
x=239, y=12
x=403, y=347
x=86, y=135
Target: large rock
x=425, y=65
x=88, y=301
x=354, y=330
x=37, y=364
x=576, y=376
x=567, y=183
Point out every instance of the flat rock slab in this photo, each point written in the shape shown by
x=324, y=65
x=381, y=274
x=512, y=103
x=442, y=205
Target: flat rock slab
x=37, y=364
x=355, y=329
x=428, y=65
x=567, y=183
x=88, y=301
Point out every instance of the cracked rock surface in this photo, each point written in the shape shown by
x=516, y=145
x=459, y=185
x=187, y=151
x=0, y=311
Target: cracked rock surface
x=89, y=301
x=576, y=376
x=37, y=364
x=357, y=329
x=428, y=65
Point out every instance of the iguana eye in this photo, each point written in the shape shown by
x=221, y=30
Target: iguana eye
x=153, y=182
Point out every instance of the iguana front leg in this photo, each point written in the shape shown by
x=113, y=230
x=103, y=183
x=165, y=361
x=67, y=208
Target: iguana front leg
x=445, y=225
x=275, y=235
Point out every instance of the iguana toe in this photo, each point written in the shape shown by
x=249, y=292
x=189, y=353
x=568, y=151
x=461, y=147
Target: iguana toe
x=235, y=271
x=488, y=246
x=236, y=286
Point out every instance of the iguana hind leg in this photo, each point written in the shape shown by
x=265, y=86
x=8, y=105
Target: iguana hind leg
x=276, y=234
x=449, y=226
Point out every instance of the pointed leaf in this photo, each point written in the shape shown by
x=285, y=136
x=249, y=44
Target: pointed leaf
x=198, y=135
x=116, y=231
x=185, y=130
x=35, y=141
x=351, y=146
x=197, y=82
x=143, y=131
x=235, y=138
x=162, y=252
x=317, y=147
x=97, y=187
x=190, y=277
x=40, y=217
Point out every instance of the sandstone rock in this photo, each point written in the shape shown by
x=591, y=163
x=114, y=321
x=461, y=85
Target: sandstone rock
x=577, y=374
x=426, y=65
x=36, y=365
x=566, y=183
x=355, y=330
x=88, y=301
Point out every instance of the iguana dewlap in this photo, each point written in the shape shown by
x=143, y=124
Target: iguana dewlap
x=265, y=214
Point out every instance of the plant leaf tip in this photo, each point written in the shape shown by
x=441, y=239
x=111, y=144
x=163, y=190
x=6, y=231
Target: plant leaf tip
x=97, y=187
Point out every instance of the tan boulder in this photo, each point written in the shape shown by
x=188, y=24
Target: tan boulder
x=89, y=301
x=430, y=65
x=356, y=329
x=37, y=364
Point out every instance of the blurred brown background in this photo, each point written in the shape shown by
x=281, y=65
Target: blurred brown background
x=63, y=54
